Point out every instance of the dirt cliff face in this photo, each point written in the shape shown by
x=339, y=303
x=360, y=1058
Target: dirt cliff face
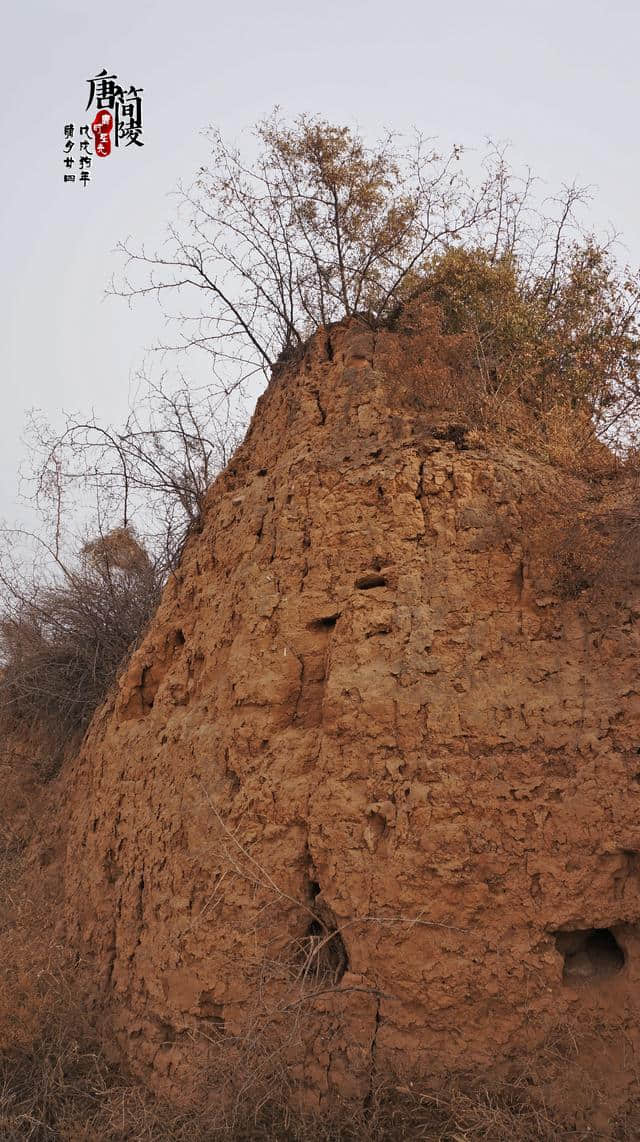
x=368, y=795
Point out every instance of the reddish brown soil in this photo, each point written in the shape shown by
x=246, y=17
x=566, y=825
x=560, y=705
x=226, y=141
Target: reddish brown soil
x=364, y=768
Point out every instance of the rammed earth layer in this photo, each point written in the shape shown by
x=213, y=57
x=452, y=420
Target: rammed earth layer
x=365, y=767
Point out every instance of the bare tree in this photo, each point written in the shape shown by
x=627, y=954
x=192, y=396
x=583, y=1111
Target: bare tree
x=316, y=227
x=115, y=505
x=152, y=472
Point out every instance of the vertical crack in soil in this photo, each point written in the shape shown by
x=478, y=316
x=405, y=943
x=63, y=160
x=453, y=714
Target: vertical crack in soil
x=372, y=1066
x=323, y=415
x=321, y=954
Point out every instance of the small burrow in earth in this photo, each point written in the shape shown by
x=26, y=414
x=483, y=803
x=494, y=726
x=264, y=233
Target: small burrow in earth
x=590, y=954
x=372, y=579
x=327, y=622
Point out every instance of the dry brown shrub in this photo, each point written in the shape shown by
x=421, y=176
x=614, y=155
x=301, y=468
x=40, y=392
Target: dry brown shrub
x=429, y=369
x=435, y=373
x=63, y=643
x=583, y=537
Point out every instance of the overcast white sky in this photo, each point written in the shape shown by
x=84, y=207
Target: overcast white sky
x=559, y=79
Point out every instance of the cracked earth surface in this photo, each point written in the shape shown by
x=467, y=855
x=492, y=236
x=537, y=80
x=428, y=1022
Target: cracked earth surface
x=364, y=765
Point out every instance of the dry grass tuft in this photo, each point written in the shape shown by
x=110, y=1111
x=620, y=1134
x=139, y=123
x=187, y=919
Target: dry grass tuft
x=63, y=1089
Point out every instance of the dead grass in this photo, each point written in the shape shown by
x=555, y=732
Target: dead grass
x=63, y=1089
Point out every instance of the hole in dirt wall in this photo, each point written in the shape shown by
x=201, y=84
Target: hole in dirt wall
x=590, y=955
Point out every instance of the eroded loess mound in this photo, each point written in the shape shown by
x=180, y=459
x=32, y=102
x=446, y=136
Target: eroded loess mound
x=366, y=800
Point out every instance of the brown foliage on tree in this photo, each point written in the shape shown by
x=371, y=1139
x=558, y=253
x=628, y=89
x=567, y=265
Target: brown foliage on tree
x=317, y=226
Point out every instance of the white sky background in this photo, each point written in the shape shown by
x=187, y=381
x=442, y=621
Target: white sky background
x=560, y=80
